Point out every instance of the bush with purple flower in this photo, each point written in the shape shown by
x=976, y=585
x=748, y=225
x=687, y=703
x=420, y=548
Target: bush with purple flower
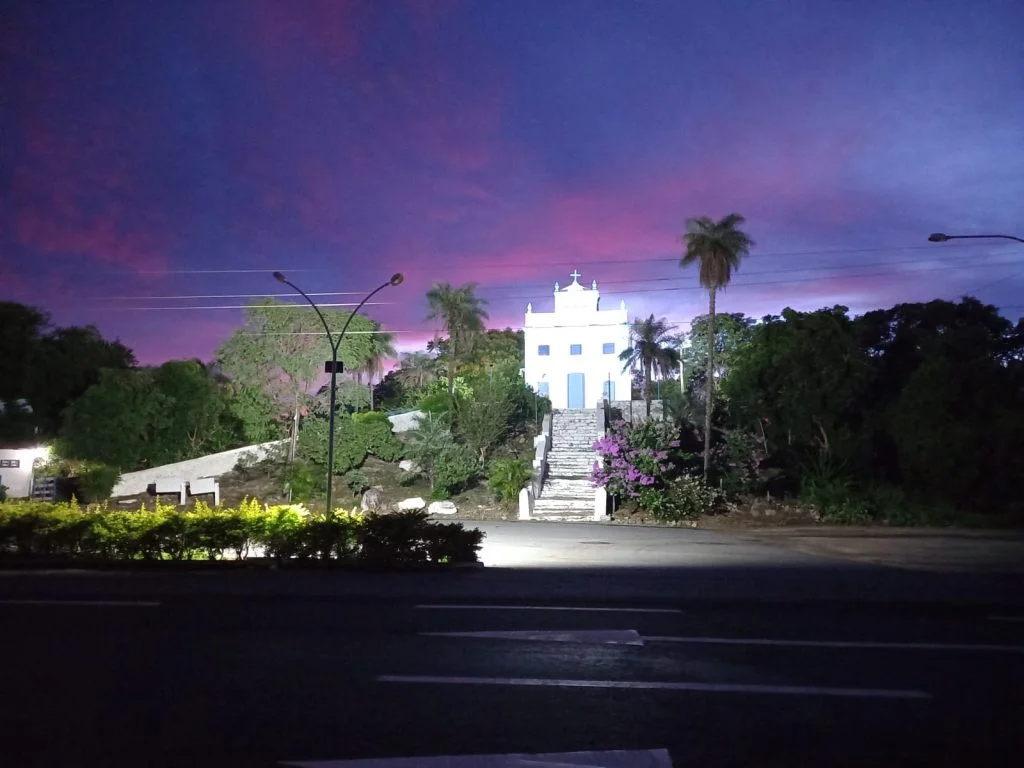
x=641, y=464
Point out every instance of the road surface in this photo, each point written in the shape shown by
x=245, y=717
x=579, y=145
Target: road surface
x=756, y=655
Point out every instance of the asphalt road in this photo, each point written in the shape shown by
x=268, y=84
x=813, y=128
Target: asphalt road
x=753, y=656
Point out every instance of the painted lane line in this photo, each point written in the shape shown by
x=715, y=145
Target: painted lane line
x=594, y=636
x=618, y=758
x=92, y=603
x=778, y=690
x=835, y=644
x=543, y=608
x=1006, y=618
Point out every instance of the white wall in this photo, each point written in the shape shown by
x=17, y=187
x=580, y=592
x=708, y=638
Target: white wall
x=577, y=320
x=214, y=465
x=19, y=479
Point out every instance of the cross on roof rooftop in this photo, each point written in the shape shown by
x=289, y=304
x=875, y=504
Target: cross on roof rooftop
x=575, y=274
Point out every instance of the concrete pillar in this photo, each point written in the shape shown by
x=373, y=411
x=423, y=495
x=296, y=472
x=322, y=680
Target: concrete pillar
x=525, y=503
x=600, y=504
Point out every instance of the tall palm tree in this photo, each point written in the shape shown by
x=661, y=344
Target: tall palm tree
x=417, y=369
x=654, y=349
x=382, y=348
x=718, y=247
x=463, y=315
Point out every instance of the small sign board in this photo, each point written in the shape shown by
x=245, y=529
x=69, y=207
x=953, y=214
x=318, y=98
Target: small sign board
x=334, y=367
x=10, y=463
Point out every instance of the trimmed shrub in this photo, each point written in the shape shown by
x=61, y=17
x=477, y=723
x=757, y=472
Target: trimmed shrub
x=409, y=538
x=69, y=532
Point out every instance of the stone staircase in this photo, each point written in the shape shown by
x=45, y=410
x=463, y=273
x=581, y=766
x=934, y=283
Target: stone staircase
x=567, y=494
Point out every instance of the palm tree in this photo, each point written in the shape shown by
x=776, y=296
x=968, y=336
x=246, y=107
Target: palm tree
x=463, y=315
x=654, y=349
x=382, y=347
x=417, y=369
x=719, y=247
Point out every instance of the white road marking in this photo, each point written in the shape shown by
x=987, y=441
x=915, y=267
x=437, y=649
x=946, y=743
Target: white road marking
x=1006, y=618
x=599, y=636
x=778, y=690
x=619, y=758
x=544, y=608
x=95, y=603
x=835, y=644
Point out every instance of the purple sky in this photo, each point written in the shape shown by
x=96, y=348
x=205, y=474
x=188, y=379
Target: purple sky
x=181, y=148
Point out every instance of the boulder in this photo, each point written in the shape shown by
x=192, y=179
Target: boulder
x=405, y=422
x=371, y=501
x=406, y=505
x=407, y=465
x=442, y=508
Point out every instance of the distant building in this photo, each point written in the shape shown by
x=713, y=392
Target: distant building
x=17, y=469
x=572, y=353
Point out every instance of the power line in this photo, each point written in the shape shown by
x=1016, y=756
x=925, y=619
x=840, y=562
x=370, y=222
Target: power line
x=546, y=263
x=829, y=268
x=622, y=292
x=284, y=305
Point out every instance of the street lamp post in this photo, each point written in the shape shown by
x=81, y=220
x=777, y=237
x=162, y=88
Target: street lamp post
x=941, y=237
x=332, y=367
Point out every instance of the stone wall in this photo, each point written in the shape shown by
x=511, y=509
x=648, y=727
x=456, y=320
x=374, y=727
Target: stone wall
x=214, y=465
x=635, y=411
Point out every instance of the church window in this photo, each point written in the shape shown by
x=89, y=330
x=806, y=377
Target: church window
x=608, y=349
x=575, y=349
x=543, y=350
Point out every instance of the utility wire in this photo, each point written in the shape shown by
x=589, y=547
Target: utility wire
x=634, y=292
x=521, y=285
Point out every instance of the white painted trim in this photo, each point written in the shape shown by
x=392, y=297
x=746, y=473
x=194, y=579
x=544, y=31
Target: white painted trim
x=618, y=758
x=92, y=603
x=545, y=608
x=776, y=690
x=837, y=644
x=586, y=636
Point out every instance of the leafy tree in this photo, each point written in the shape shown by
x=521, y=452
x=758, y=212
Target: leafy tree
x=462, y=313
x=732, y=332
x=483, y=420
x=47, y=368
x=21, y=329
x=380, y=347
x=281, y=349
x=717, y=247
x=800, y=380
x=654, y=349
x=147, y=417
x=946, y=407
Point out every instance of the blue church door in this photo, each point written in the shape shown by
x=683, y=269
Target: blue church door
x=577, y=391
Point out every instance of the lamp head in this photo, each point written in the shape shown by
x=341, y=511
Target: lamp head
x=397, y=278
x=938, y=237
x=279, y=277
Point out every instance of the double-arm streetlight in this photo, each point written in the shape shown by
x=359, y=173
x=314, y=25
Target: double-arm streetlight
x=332, y=367
x=941, y=237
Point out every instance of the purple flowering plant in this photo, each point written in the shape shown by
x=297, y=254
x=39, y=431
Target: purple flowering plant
x=635, y=458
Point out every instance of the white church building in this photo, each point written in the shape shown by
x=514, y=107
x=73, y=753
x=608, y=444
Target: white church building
x=572, y=353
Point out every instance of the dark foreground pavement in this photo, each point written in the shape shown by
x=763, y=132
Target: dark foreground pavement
x=754, y=656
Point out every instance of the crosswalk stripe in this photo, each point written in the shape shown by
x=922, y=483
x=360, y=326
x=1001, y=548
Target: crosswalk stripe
x=778, y=690
x=606, y=609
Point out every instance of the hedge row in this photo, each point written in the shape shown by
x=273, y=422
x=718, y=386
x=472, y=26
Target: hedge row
x=283, y=533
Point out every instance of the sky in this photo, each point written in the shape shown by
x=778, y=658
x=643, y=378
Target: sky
x=160, y=159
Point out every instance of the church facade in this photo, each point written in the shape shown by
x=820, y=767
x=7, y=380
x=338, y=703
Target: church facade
x=572, y=352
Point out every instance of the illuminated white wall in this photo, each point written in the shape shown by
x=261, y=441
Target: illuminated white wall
x=16, y=469
x=577, y=319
